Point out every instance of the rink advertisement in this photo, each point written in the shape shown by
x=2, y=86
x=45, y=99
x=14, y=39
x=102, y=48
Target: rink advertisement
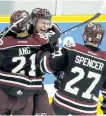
x=64, y=22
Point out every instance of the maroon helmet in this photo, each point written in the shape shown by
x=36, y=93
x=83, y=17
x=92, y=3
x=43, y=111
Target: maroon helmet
x=93, y=32
x=40, y=13
x=22, y=18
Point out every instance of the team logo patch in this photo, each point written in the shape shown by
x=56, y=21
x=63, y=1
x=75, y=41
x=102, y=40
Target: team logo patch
x=69, y=42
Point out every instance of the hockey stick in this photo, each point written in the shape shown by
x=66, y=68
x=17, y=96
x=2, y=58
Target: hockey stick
x=79, y=25
x=97, y=100
x=92, y=18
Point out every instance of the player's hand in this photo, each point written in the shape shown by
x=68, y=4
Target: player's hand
x=50, y=33
x=47, y=35
x=57, y=84
x=59, y=76
x=54, y=33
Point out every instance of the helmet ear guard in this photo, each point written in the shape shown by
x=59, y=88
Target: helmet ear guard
x=93, y=33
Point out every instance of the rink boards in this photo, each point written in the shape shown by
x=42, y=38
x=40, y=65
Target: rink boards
x=65, y=22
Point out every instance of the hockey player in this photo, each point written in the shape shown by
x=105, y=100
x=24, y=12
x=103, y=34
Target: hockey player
x=84, y=74
x=38, y=16
x=18, y=80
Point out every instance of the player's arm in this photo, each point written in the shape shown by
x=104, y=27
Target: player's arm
x=54, y=62
x=55, y=34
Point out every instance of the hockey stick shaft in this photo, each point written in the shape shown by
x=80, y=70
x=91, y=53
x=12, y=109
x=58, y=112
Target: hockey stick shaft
x=87, y=21
x=78, y=25
x=14, y=24
x=97, y=100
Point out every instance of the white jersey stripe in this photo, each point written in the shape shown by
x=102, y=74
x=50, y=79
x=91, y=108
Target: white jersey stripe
x=19, y=83
x=72, y=108
x=20, y=77
x=85, y=54
x=18, y=46
x=103, y=92
x=41, y=66
x=73, y=102
x=45, y=66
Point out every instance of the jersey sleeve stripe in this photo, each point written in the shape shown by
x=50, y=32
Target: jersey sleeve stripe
x=44, y=65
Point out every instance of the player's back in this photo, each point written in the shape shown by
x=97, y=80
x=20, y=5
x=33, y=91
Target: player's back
x=84, y=76
x=19, y=56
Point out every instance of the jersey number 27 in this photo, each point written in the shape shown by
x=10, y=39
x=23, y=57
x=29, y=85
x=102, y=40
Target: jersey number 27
x=74, y=90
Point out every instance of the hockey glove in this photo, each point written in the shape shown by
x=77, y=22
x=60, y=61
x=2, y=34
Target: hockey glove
x=57, y=84
x=58, y=81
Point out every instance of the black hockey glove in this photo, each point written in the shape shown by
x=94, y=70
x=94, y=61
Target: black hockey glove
x=103, y=108
x=57, y=84
x=58, y=81
x=54, y=33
